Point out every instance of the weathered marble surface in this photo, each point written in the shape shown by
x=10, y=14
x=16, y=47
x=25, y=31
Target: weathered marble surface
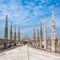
x=21, y=53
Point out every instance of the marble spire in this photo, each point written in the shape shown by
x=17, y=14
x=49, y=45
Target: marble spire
x=53, y=32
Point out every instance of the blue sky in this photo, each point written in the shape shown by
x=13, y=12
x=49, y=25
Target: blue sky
x=28, y=14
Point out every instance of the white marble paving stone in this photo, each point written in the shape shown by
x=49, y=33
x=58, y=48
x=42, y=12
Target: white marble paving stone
x=21, y=53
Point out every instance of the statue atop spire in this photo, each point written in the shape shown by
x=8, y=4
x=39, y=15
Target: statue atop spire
x=53, y=13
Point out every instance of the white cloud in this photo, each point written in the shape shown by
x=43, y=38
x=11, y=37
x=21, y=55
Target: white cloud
x=26, y=15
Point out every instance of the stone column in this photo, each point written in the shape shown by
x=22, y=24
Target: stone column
x=58, y=44
x=11, y=34
x=19, y=35
x=40, y=36
x=15, y=36
x=36, y=40
x=37, y=37
x=33, y=37
x=53, y=32
x=6, y=33
x=45, y=36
